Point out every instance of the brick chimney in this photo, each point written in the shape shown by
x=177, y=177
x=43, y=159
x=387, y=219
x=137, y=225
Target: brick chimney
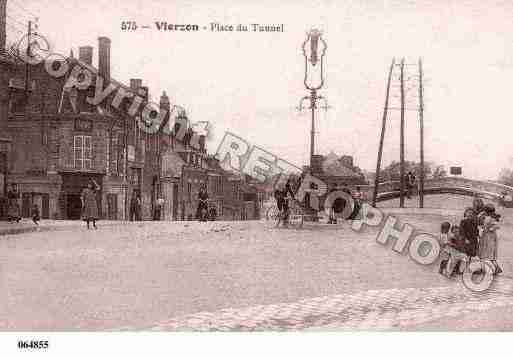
x=135, y=84
x=316, y=166
x=104, y=57
x=164, y=101
x=3, y=19
x=85, y=54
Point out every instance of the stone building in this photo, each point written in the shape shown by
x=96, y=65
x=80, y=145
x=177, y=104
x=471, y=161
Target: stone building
x=53, y=142
x=337, y=171
x=5, y=140
x=60, y=141
x=186, y=168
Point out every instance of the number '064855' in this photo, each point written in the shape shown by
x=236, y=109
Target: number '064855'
x=33, y=344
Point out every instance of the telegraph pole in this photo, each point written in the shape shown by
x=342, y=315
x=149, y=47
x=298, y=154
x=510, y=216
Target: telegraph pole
x=402, y=108
x=401, y=198
x=382, y=138
x=27, y=67
x=421, y=120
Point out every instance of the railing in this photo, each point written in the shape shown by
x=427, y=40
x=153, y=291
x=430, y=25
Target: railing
x=446, y=182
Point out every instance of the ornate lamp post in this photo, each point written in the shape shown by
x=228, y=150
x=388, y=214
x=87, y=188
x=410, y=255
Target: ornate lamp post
x=314, y=49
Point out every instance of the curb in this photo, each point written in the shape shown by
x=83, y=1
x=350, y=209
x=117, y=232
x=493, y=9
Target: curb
x=51, y=228
x=422, y=211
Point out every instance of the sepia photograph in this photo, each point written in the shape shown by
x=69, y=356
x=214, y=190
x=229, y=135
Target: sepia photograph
x=303, y=167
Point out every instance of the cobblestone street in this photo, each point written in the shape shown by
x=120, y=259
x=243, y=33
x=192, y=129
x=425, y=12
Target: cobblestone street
x=233, y=276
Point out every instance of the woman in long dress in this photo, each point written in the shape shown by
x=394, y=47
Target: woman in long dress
x=13, y=207
x=89, y=204
x=488, y=243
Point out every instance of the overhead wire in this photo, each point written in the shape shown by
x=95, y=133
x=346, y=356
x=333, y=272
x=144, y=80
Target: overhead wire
x=22, y=8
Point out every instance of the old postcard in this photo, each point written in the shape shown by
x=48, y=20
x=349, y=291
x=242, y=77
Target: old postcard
x=255, y=166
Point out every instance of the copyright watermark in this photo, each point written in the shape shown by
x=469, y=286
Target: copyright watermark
x=238, y=155
x=34, y=49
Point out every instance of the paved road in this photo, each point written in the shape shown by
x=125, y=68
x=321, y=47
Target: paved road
x=158, y=275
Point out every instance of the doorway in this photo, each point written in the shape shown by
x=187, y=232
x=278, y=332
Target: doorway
x=73, y=206
x=71, y=190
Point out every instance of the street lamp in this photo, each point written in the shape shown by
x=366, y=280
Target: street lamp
x=314, y=50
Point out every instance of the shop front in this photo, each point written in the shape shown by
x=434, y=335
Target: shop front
x=70, y=204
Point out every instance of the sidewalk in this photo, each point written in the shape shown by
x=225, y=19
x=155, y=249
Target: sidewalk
x=26, y=225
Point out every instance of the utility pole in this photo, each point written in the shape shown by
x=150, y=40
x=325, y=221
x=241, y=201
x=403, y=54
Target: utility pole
x=421, y=120
x=27, y=68
x=401, y=198
x=44, y=140
x=125, y=160
x=402, y=108
x=382, y=138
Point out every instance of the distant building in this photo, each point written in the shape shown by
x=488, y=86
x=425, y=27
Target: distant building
x=185, y=168
x=337, y=171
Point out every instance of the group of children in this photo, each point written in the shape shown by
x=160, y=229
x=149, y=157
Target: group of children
x=474, y=238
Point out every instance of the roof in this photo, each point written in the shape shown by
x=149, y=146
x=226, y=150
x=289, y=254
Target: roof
x=338, y=170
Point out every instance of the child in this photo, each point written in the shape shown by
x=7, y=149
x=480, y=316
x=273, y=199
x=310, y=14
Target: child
x=457, y=249
x=488, y=243
x=35, y=214
x=444, y=242
x=470, y=231
x=454, y=250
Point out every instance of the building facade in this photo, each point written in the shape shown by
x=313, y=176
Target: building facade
x=60, y=142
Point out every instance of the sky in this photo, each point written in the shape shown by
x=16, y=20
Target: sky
x=250, y=83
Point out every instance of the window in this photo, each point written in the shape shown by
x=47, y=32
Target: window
x=82, y=152
x=18, y=101
x=112, y=154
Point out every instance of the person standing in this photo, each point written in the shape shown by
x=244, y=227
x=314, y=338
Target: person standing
x=201, y=212
x=469, y=230
x=158, y=209
x=135, y=203
x=410, y=182
x=89, y=203
x=477, y=205
x=35, y=214
x=359, y=198
x=281, y=195
x=488, y=244
x=13, y=207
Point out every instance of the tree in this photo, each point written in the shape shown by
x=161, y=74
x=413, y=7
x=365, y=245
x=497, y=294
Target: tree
x=392, y=172
x=439, y=172
x=506, y=176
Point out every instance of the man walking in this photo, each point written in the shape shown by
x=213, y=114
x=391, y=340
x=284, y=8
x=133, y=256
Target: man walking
x=135, y=203
x=410, y=182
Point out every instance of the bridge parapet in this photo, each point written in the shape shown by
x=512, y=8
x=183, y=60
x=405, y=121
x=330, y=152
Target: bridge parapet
x=482, y=186
x=477, y=186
